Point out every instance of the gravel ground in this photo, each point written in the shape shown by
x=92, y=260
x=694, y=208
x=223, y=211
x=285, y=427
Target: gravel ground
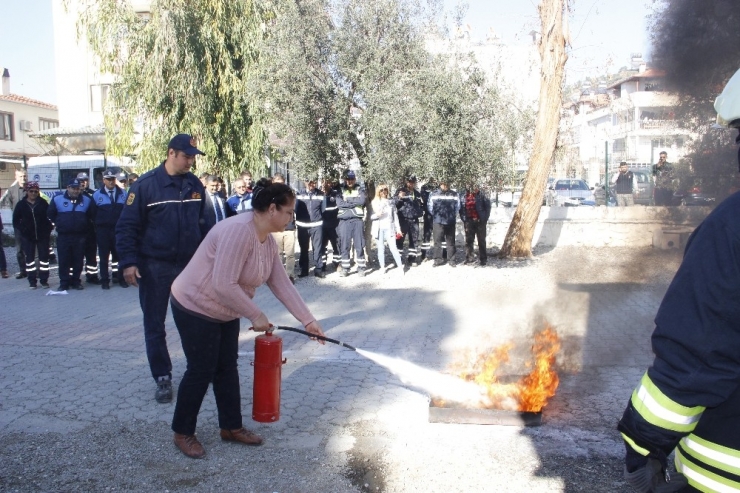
x=394, y=448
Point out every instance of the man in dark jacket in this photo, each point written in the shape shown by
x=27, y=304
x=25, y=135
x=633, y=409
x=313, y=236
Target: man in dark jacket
x=158, y=232
x=109, y=202
x=30, y=219
x=444, y=205
x=426, y=240
x=330, y=222
x=410, y=208
x=474, y=212
x=72, y=214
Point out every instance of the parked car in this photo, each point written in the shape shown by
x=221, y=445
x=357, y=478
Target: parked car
x=570, y=192
x=692, y=196
x=643, y=194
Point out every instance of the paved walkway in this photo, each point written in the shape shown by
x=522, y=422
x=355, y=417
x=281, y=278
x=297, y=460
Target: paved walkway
x=77, y=410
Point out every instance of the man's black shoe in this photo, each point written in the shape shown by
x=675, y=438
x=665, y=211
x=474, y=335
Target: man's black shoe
x=93, y=280
x=319, y=273
x=303, y=273
x=44, y=285
x=21, y=275
x=437, y=263
x=105, y=285
x=123, y=283
x=63, y=287
x=163, y=395
x=78, y=287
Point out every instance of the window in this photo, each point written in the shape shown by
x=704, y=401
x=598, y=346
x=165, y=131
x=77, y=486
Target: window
x=45, y=124
x=98, y=96
x=6, y=126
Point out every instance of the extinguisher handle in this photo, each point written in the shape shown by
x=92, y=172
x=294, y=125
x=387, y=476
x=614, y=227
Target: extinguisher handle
x=270, y=330
x=321, y=338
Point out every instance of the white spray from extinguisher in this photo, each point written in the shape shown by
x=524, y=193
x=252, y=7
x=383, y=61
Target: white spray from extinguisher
x=435, y=383
x=440, y=385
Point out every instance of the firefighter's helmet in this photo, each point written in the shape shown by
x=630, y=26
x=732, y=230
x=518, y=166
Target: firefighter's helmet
x=727, y=103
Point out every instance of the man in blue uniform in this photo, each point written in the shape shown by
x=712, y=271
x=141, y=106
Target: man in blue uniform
x=72, y=213
x=309, y=208
x=443, y=206
x=689, y=400
x=159, y=230
x=351, y=204
x=109, y=202
x=91, y=245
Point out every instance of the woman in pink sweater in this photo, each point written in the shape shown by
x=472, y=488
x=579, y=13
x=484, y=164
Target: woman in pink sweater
x=210, y=296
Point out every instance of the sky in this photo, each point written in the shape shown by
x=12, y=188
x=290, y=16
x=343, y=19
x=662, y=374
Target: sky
x=604, y=33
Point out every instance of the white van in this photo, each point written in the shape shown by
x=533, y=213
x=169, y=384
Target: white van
x=53, y=173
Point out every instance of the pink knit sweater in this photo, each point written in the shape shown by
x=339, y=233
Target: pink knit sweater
x=229, y=265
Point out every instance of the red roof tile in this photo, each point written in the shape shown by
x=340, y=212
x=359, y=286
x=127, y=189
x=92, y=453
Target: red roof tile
x=15, y=98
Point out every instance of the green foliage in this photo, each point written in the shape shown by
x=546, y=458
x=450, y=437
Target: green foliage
x=185, y=67
x=351, y=78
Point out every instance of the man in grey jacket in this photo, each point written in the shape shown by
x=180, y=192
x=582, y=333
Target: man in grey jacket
x=10, y=198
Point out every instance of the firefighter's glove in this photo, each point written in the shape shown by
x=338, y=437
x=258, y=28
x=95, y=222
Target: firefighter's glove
x=651, y=478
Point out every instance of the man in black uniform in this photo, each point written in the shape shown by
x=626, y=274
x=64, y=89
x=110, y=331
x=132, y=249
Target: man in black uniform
x=410, y=208
x=91, y=243
x=309, y=207
x=109, y=202
x=330, y=222
x=158, y=232
x=351, y=204
x=688, y=401
x=426, y=240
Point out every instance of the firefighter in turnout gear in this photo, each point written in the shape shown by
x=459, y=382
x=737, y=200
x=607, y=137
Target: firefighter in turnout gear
x=309, y=208
x=351, y=204
x=688, y=401
x=410, y=208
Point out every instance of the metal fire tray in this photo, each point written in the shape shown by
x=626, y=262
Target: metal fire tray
x=456, y=413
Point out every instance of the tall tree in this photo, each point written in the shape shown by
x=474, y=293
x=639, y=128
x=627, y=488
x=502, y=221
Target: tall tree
x=181, y=67
x=552, y=45
x=350, y=78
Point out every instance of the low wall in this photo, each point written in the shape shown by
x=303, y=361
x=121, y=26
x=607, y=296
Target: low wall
x=601, y=226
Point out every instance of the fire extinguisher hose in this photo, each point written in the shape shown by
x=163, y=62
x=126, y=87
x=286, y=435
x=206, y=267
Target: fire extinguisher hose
x=306, y=333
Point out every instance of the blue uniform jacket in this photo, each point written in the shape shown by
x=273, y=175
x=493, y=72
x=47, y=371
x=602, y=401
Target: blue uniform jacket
x=71, y=216
x=443, y=206
x=161, y=220
x=309, y=208
x=351, y=202
x=236, y=204
x=107, y=212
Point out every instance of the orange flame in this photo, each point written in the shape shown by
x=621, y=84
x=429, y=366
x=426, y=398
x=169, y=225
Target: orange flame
x=531, y=392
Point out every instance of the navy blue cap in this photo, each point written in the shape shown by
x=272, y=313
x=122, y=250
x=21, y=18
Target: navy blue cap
x=74, y=183
x=350, y=175
x=83, y=176
x=109, y=173
x=186, y=144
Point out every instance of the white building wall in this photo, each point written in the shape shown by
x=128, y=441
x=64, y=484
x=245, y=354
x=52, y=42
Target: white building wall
x=22, y=143
x=76, y=70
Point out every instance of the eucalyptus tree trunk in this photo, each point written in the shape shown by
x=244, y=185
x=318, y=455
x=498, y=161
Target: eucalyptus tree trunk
x=518, y=241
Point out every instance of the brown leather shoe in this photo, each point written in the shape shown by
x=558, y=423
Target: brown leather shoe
x=242, y=435
x=190, y=446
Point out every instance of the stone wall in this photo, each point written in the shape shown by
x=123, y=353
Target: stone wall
x=637, y=226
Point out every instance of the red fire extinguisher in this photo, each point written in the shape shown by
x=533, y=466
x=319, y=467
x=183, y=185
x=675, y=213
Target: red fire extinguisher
x=268, y=362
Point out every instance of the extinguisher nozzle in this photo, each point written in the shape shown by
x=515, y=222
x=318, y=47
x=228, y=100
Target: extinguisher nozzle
x=327, y=339
x=349, y=347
